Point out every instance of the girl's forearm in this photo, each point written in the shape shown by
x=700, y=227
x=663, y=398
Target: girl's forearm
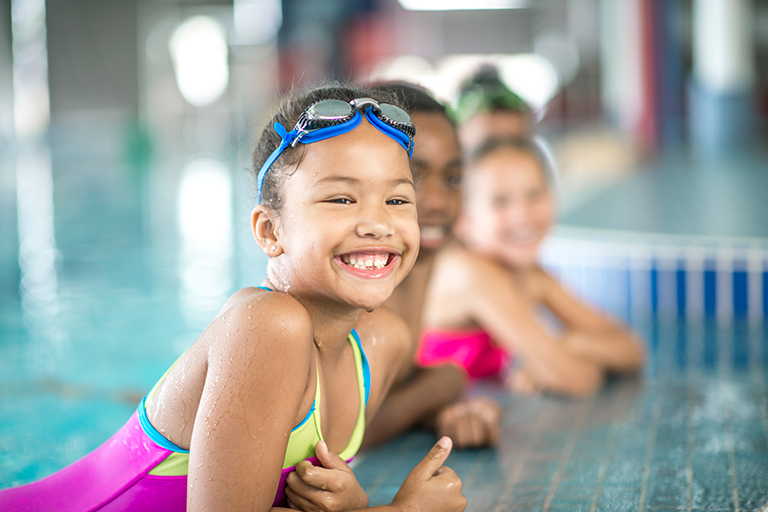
x=616, y=351
x=414, y=402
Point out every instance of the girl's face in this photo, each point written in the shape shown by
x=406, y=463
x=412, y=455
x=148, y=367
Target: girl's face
x=437, y=167
x=508, y=208
x=348, y=230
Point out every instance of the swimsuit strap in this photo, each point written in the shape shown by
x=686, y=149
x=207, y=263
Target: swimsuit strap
x=365, y=368
x=364, y=385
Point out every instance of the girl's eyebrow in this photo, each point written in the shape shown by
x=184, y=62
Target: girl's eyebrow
x=355, y=181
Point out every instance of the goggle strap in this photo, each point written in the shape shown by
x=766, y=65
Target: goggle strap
x=287, y=137
x=400, y=137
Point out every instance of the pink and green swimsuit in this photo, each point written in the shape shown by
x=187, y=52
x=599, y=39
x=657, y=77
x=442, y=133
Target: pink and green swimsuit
x=139, y=470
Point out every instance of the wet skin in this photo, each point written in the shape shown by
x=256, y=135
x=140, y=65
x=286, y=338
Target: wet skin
x=251, y=376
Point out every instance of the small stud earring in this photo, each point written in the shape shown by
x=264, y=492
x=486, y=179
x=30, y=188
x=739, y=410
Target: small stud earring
x=273, y=248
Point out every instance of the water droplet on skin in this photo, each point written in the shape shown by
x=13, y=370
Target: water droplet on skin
x=302, y=203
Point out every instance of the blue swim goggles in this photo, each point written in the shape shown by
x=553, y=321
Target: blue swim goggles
x=329, y=118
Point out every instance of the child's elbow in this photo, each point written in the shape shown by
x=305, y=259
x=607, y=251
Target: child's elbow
x=634, y=356
x=585, y=382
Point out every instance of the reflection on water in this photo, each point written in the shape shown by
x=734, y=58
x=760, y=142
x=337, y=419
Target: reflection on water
x=37, y=255
x=206, y=227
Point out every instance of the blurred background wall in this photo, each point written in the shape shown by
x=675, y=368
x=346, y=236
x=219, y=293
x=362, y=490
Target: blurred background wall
x=648, y=67
x=654, y=109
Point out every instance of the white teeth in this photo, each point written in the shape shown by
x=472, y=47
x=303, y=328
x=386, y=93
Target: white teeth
x=365, y=262
x=432, y=233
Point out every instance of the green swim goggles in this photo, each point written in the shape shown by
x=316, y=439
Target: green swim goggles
x=329, y=118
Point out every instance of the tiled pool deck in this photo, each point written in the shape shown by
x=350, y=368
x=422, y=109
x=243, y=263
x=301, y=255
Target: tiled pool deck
x=683, y=437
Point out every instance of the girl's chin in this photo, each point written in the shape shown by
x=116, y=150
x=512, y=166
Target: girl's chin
x=521, y=260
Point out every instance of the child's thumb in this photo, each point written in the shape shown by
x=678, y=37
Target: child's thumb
x=328, y=458
x=434, y=459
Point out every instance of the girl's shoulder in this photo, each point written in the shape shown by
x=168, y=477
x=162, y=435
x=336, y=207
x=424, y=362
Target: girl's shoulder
x=383, y=334
x=253, y=315
x=455, y=263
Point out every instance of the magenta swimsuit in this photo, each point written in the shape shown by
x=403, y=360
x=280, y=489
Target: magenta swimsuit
x=115, y=476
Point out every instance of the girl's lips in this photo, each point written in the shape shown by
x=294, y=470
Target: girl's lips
x=369, y=265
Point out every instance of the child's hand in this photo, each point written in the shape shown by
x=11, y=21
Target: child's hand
x=522, y=381
x=432, y=486
x=472, y=423
x=331, y=488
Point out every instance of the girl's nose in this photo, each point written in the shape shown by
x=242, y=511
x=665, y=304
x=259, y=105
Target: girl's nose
x=518, y=212
x=374, y=222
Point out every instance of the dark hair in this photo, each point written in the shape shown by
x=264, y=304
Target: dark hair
x=288, y=111
x=414, y=98
x=527, y=145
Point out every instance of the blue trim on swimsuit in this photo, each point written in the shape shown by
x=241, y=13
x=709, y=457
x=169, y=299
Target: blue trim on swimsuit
x=152, y=432
x=311, y=410
x=366, y=368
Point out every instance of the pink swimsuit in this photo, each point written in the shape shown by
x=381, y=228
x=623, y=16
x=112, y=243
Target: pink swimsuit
x=474, y=351
x=115, y=477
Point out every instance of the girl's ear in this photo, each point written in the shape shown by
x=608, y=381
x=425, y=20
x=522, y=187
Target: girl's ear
x=265, y=232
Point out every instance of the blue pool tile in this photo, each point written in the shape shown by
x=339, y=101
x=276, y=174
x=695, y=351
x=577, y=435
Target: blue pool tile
x=740, y=294
x=680, y=276
x=710, y=293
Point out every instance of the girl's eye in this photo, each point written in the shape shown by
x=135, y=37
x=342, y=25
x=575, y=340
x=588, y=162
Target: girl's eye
x=535, y=195
x=397, y=202
x=453, y=181
x=500, y=202
x=340, y=200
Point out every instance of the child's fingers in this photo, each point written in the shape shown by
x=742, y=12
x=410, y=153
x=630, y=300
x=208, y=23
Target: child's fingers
x=314, y=476
x=425, y=469
x=492, y=427
x=328, y=458
x=299, y=502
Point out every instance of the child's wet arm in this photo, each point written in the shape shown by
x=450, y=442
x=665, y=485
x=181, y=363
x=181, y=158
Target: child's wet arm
x=405, y=403
x=257, y=376
x=414, y=402
x=497, y=308
x=617, y=350
x=593, y=335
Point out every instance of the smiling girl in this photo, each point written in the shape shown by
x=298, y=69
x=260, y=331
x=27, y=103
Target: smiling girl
x=287, y=373
x=481, y=309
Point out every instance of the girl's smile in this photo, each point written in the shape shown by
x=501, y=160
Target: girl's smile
x=370, y=264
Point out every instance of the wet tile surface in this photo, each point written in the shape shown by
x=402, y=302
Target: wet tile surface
x=690, y=437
